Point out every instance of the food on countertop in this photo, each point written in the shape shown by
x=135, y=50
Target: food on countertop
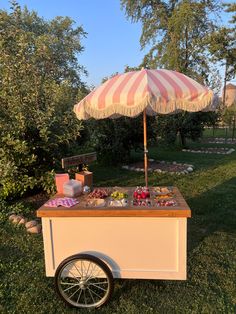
x=98, y=193
x=139, y=202
x=166, y=203
x=97, y=202
x=118, y=203
x=164, y=196
x=141, y=193
x=163, y=190
x=116, y=195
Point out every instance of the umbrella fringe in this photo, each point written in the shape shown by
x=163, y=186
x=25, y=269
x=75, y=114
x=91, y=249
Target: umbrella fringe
x=84, y=110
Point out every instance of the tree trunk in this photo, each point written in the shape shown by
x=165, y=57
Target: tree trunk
x=183, y=139
x=233, y=127
x=225, y=80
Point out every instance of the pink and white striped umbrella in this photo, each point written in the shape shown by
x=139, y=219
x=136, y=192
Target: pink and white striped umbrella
x=147, y=91
x=157, y=91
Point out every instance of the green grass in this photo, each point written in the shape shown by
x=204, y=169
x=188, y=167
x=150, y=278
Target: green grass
x=219, y=132
x=211, y=286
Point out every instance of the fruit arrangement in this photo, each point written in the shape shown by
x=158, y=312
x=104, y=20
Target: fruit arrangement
x=141, y=193
x=163, y=196
x=116, y=195
x=166, y=203
x=98, y=193
x=162, y=190
x=139, y=202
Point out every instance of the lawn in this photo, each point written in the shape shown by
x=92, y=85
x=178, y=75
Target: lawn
x=211, y=285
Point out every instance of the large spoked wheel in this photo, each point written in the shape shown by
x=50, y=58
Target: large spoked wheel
x=84, y=281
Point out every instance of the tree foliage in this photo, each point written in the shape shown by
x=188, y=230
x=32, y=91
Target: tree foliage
x=177, y=36
x=113, y=139
x=185, y=125
x=39, y=82
x=176, y=32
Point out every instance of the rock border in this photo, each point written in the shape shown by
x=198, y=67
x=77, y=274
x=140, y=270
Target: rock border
x=189, y=168
x=31, y=226
x=205, y=150
x=220, y=140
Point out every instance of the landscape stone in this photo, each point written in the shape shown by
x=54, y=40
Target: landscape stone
x=35, y=229
x=22, y=221
x=17, y=219
x=12, y=217
x=30, y=224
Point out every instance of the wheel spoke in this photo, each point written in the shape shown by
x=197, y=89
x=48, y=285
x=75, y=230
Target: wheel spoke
x=69, y=288
x=84, y=281
x=68, y=283
x=78, y=270
x=95, y=293
x=74, y=293
x=85, y=300
x=91, y=295
x=93, y=275
x=88, y=269
x=74, y=276
x=79, y=296
x=93, y=284
x=101, y=283
x=82, y=271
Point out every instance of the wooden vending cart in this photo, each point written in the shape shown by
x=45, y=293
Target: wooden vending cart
x=86, y=247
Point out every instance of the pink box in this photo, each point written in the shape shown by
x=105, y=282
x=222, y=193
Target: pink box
x=60, y=179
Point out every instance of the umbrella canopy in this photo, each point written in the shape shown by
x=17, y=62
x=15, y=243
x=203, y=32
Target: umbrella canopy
x=145, y=91
x=157, y=91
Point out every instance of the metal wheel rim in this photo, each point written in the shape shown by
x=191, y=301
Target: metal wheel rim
x=87, y=282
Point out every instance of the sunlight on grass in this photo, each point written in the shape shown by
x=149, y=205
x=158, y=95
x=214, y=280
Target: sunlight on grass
x=210, y=288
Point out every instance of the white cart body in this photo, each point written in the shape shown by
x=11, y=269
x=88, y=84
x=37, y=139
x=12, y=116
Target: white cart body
x=144, y=243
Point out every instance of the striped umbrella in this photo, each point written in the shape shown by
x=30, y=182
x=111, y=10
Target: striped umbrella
x=145, y=91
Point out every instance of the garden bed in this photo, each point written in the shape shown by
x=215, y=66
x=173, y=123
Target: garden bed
x=210, y=150
x=161, y=167
x=219, y=140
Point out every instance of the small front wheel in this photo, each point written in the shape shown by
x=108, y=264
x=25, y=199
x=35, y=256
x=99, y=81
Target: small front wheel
x=84, y=281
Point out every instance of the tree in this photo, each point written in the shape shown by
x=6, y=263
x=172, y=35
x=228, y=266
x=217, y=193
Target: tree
x=223, y=48
x=231, y=8
x=39, y=83
x=185, y=125
x=177, y=34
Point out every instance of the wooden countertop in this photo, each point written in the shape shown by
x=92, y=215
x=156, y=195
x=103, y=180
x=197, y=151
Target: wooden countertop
x=82, y=210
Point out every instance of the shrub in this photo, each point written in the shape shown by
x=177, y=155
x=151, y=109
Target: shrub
x=39, y=83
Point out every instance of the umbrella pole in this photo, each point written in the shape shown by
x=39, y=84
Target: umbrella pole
x=145, y=146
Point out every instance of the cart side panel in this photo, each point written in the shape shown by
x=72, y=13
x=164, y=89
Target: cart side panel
x=48, y=243
x=133, y=247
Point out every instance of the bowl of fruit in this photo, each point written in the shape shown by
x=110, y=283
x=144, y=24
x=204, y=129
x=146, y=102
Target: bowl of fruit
x=141, y=197
x=118, y=199
x=141, y=193
x=99, y=193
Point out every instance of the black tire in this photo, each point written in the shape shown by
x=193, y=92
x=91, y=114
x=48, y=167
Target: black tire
x=89, y=281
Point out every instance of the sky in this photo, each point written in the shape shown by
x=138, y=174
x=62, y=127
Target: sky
x=112, y=41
